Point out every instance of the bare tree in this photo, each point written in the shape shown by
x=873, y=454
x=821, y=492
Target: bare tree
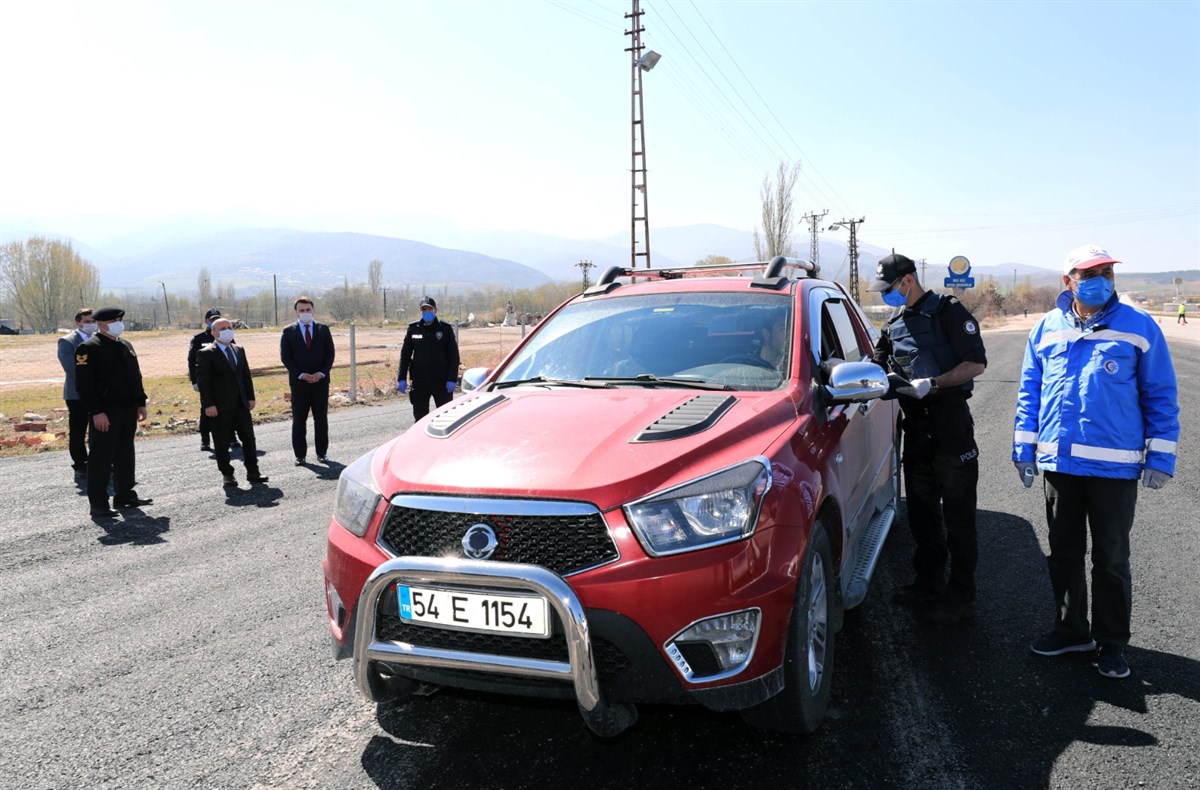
x=375, y=275
x=713, y=260
x=46, y=280
x=776, y=236
x=204, y=287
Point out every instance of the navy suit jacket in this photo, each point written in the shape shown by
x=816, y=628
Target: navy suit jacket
x=298, y=358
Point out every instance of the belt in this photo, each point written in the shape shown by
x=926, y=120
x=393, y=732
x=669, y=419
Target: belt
x=920, y=409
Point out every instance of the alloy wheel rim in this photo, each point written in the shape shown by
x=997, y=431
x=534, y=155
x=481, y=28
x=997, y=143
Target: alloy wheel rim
x=818, y=623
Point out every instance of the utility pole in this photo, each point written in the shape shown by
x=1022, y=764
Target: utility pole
x=814, y=249
x=923, y=274
x=853, y=225
x=640, y=62
x=275, y=290
x=166, y=303
x=585, y=265
x=384, y=289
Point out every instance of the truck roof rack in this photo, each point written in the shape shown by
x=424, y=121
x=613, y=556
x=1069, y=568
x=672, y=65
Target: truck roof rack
x=770, y=275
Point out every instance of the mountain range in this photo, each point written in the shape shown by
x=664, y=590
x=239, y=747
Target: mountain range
x=446, y=257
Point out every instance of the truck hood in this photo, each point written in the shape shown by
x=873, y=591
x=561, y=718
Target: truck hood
x=606, y=447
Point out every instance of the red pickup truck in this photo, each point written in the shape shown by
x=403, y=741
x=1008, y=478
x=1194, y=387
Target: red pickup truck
x=669, y=492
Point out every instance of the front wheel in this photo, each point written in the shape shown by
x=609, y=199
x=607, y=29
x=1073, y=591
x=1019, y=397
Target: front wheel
x=808, y=661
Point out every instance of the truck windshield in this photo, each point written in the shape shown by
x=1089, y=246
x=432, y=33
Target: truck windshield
x=724, y=340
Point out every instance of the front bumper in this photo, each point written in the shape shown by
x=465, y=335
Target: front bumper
x=580, y=669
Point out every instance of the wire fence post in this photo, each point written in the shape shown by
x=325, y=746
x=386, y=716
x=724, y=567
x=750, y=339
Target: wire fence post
x=353, y=368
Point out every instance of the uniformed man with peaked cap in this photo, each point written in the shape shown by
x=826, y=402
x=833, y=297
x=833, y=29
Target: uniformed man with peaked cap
x=109, y=381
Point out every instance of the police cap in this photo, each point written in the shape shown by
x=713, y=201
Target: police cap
x=212, y=313
x=427, y=301
x=890, y=269
x=109, y=314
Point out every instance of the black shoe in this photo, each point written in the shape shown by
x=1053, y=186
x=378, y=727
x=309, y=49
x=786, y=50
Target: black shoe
x=205, y=447
x=1111, y=662
x=104, y=512
x=915, y=594
x=135, y=502
x=257, y=478
x=1056, y=644
x=948, y=611
x=229, y=481
x=234, y=444
x=299, y=462
x=321, y=459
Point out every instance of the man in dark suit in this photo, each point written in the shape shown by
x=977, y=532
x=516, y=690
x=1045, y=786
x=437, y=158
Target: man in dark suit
x=227, y=396
x=306, y=350
x=77, y=414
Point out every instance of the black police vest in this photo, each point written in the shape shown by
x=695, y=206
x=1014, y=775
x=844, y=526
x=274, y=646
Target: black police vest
x=920, y=346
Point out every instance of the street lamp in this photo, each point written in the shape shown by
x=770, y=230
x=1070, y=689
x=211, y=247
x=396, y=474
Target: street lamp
x=649, y=60
x=166, y=303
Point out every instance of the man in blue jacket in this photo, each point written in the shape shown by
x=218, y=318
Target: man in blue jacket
x=1097, y=409
x=77, y=414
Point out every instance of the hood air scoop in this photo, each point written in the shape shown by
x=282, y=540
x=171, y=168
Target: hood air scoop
x=690, y=417
x=458, y=415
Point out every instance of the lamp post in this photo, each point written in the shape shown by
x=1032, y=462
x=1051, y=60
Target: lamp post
x=166, y=303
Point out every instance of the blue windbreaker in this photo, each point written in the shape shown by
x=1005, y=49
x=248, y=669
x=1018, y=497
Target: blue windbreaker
x=1097, y=399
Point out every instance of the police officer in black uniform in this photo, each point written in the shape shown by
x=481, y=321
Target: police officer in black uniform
x=430, y=355
x=933, y=341
x=109, y=381
x=201, y=338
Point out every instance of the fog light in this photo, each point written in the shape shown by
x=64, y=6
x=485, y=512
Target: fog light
x=715, y=647
x=337, y=609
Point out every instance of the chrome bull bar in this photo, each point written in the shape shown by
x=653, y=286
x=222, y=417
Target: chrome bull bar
x=603, y=718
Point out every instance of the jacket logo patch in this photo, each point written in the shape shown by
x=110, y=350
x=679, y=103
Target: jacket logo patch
x=1111, y=367
x=418, y=337
x=970, y=327
x=437, y=335
x=81, y=359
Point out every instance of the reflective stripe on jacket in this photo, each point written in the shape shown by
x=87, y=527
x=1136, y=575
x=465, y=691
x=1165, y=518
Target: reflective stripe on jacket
x=1099, y=401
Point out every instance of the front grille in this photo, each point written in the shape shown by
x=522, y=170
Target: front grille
x=610, y=661
x=562, y=543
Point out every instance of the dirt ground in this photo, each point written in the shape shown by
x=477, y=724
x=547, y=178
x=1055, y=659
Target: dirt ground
x=30, y=360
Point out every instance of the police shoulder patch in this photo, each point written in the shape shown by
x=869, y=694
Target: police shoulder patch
x=81, y=359
x=970, y=327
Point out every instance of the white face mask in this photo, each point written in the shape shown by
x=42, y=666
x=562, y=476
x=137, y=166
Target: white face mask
x=115, y=328
x=225, y=336
x=87, y=329
x=305, y=317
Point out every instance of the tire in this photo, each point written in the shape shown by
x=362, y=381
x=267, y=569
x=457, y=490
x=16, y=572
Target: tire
x=808, y=660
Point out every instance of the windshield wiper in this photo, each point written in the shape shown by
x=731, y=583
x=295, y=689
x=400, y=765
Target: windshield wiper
x=646, y=379
x=550, y=383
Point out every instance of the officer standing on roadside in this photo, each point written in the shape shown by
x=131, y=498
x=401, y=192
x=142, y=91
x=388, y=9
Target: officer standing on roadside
x=933, y=341
x=77, y=416
x=201, y=338
x=430, y=355
x=109, y=381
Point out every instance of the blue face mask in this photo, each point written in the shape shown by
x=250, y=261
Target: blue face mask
x=427, y=317
x=1094, y=292
x=894, y=298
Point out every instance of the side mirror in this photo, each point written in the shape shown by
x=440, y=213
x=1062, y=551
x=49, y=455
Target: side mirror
x=855, y=382
x=473, y=377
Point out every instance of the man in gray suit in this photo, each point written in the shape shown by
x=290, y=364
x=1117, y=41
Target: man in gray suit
x=77, y=413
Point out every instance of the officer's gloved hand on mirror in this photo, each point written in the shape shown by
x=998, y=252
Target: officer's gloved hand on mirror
x=917, y=388
x=1027, y=471
x=1152, y=478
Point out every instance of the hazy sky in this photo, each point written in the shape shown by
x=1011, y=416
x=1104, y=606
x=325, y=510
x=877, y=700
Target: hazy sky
x=1004, y=131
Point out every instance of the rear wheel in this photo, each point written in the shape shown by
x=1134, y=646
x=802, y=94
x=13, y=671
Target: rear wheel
x=808, y=661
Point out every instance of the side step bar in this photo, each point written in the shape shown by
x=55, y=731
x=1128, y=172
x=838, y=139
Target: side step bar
x=867, y=555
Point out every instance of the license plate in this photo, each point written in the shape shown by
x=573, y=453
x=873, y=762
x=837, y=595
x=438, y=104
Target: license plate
x=485, y=612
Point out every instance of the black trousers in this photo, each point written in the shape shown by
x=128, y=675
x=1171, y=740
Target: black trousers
x=112, y=456
x=421, y=391
x=205, y=426
x=941, y=473
x=306, y=398
x=223, y=425
x=1104, y=506
x=77, y=428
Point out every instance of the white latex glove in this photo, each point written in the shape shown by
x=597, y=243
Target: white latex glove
x=1027, y=470
x=1152, y=478
x=919, y=389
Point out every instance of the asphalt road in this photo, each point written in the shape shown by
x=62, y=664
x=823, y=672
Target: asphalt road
x=187, y=647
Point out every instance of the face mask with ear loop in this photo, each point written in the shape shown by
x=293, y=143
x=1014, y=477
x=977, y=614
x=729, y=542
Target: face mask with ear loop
x=893, y=297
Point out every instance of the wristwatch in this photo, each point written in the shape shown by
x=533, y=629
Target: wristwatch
x=933, y=386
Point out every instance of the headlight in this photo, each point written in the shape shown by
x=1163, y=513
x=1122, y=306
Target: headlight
x=357, y=496
x=720, y=508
